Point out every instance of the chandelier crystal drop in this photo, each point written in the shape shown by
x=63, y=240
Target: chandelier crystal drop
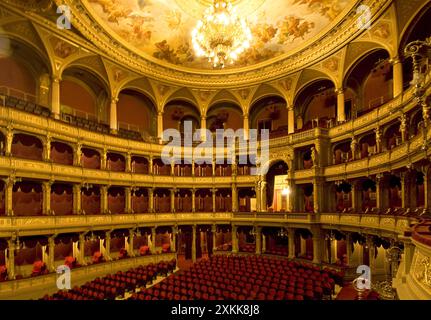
x=221, y=35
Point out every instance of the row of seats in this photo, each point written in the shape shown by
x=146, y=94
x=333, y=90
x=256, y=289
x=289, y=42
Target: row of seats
x=115, y=286
x=245, y=278
x=13, y=102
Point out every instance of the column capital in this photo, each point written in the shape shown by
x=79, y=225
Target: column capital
x=395, y=60
x=160, y=113
x=339, y=91
x=114, y=100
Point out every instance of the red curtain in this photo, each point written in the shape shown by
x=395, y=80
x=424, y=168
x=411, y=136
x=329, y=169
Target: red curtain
x=26, y=146
x=61, y=153
x=62, y=199
x=27, y=199
x=90, y=159
x=90, y=201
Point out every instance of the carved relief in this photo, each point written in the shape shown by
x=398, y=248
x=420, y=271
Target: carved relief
x=331, y=64
x=382, y=31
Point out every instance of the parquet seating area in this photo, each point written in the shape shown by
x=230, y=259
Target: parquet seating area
x=115, y=286
x=245, y=278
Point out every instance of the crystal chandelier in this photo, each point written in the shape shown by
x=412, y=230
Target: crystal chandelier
x=221, y=35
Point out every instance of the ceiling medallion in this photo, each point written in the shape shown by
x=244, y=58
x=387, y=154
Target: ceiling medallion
x=221, y=35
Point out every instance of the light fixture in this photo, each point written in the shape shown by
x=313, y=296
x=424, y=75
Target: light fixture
x=282, y=233
x=286, y=191
x=221, y=35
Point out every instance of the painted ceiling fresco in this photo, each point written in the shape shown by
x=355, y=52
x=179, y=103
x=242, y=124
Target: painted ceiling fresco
x=162, y=28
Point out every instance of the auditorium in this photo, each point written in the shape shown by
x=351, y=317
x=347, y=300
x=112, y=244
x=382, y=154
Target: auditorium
x=232, y=150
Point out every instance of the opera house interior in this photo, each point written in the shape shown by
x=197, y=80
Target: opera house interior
x=215, y=150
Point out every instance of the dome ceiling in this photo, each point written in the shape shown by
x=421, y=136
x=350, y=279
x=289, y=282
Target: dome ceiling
x=160, y=30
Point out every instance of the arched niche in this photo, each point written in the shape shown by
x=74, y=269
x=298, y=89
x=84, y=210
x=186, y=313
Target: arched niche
x=84, y=94
x=224, y=115
x=136, y=112
x=269, y=113
x=316, y=105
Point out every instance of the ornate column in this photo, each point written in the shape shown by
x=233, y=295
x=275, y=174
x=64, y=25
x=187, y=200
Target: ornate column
x=263, y=204
x=341, y=114
x=403, y=127
x=128, y=198
x=371, y=252
x=234, y=240
x=193, y=190
x=291, y=120
x=173, y=190
x=77, y=154
x=258, y=196
x=131, y=241
x=427, y=187
x=46, y=189
x=397, y=68
x=9, y=183
x=349, y=248
x=194, y=243
x=160, y=125
x=203, y=127
x=150, y=165
x=213, y=167
x=317, y=248
x=128, y=162
x=193, y=167
x=291, y=242
x=103, y=159
x=317, y=194
x=108, y=246
x=47, y=148
x=172, y=168
x=76, y=199
x=258, y=240
x=113, y=122
x=214, y=190
x=378, y=139
x=354, y=147
x=11, y=258
x=246, y=126
x=153, y=240
x=104, y=199
x=9, y=139
x=379, y=192
x=51, y=253
x=81, y=256
x=55, y=97
x=234, y=198
x=214, y=234
x=174, y=239
x=150, y=200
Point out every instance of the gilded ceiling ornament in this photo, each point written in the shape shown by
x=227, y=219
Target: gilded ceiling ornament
x=382, y=31
x=62, y=49
x=331, y=64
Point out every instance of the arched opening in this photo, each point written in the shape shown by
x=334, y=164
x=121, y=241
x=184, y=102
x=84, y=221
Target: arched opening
x=116, y=200
x=90, y=200
x=140, y=200
x=269, y=113
x=316, y=105
x=27, y=198
x=91, y=110
x=183, y=200
x=90, y=158
x=178, y=112
x=369, y=202
x=25, y=74
x=343, y=196
x=303, y=244
x=140, y=165
x=136, y=113
x=368, y=83
x=342, y=152
x=276, y=197
x=246, y=199
x=367, y=145
x=115, y=162
x=203, y=200
x=27, y=147
x=61, y=199
x=162, y=200
x=61, y=153
x=224, y=115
